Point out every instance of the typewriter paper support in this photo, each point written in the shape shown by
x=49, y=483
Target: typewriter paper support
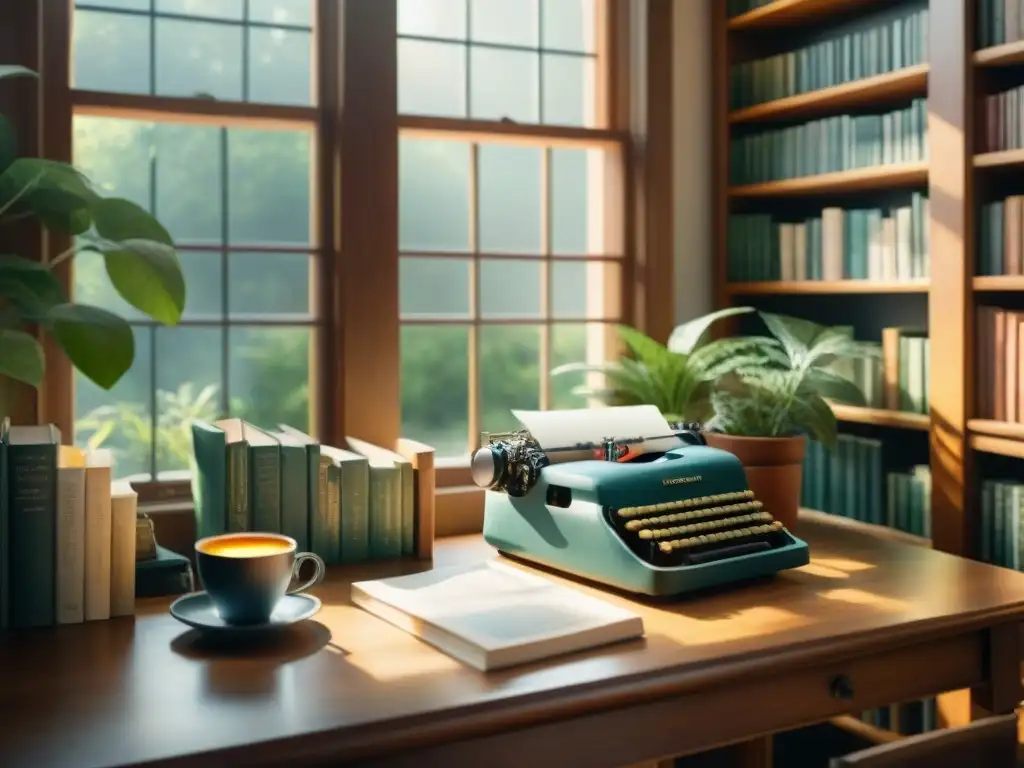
x=678, y=517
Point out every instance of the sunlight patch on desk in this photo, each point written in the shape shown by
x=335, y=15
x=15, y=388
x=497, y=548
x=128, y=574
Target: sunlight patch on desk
x=860, y=597
x=823, y=571
x=756, y=621
x=845, y=564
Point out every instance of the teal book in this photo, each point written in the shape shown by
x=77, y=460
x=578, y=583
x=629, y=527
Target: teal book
x=319, y=507
x=5, y=529
x=32, y=510
x=239, y=479
x=295, y=488
x=264, y=478
x=354, y=488
x=209, y=479
x=387, y=518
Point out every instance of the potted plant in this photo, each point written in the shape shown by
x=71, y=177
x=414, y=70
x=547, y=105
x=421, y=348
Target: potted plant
x=766, y=402
x=677, y=378
x=137, y=251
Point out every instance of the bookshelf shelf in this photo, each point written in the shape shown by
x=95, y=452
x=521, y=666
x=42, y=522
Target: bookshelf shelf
x=1007, y=158
x=1005, y=55
x=998, y=283
x=881, y=417
x=820, y=287
x=791, y=13
x=998, y=445
x=1004, y=429
x=871, y=179
x=904, y=83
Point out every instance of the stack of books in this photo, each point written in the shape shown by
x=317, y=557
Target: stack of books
x=1001, y=542
x=348, y=505
x=999, y=21
x=906, y=366
x=1001, y=237
x=839, y=244
x=849, y=482
x=1000, y=364
x=67, y=532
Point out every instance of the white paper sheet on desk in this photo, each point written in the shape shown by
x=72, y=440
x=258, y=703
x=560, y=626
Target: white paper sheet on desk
x=562, y=429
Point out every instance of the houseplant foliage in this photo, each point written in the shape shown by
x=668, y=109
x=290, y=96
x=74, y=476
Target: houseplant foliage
x=677, y=378
x=137, y=251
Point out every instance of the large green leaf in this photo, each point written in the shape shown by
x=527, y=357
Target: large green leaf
x=30, y=286
x=686, y=337
x=21, y=357
x=148, y=276
x=8, y=144
x=832, y=386
x=117, y=219
x=51, y=190
x=15, y=70
x=99, y=343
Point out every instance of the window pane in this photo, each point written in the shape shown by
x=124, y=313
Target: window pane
x=188, y=387
x=510, y=199
x=585, y=289
x=503, y=84
x=203, y=284
x=269, y=284
x=434, y=288
x=512, y=22
x=294, y=12
x=111, y=52
x=269, y=181
x=214, y=9
x=509, y=374
x=510, y=289
x=435, y=387
x=432, y=18
x=279, y=66
x=433, y=195
x=568, y=90
x=121, y=418
x=189, y=193
x=268, y=375
x=431, y=78
x=576, y=192
x=92, y=286
x=568, y=25
x=115, y=155
x=198, y=59
x=576, y=343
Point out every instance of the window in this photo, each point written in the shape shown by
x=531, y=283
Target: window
x=441, y=192
x=506, y=269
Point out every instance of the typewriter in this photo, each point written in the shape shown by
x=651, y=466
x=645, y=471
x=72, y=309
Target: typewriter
x=662, y=523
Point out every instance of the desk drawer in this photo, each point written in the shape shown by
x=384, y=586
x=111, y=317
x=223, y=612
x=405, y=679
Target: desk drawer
x=741, y=706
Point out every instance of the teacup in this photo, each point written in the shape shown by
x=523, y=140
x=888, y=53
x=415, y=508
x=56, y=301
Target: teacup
x=247, y=574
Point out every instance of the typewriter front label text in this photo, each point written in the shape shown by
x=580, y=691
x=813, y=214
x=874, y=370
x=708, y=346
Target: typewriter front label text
x=681, y=480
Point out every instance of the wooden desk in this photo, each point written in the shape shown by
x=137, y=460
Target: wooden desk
x=874, y=621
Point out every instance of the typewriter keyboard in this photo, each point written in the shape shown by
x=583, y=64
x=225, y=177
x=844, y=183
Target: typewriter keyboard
x=699, y=530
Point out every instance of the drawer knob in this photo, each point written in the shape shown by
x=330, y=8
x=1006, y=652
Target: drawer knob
x=841, y=687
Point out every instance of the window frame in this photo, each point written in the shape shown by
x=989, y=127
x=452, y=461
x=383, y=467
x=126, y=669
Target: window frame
x=355, y=375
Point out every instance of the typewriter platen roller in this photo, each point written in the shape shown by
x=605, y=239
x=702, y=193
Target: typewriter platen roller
x=662, y=524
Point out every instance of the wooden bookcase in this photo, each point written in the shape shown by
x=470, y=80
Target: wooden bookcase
x=954, y=78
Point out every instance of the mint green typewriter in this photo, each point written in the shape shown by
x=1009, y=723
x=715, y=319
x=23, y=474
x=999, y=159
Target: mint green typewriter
x=662, y=524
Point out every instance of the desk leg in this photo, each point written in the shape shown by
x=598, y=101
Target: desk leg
x=1000, y=694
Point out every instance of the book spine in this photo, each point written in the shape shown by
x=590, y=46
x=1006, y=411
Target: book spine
x=33, y=524
x=238, y=488
x=97, y=543
x=265, y=469
x=70, y=579
x=294, y=502
x=122, y=555
x=355, y=511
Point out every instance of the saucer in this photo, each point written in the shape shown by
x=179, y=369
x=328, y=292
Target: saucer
x=196, y=609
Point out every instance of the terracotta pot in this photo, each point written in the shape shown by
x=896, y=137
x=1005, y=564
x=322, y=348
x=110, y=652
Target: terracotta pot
x=774, y=467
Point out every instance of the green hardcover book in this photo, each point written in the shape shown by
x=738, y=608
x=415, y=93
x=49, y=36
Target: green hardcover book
x=264, y=478
x=5, y=530
x=295, y=488
x=876, y=508
x=209, y=479
x=836, y=490
x=851, y=478
x=890, y=500
x=986, y=522
x=32, y=510
x=386, y=505
x=923, y=474
x=239, y=480
x=354, y=532
x=999, y=522
x=319, y=496
x=1013, y=526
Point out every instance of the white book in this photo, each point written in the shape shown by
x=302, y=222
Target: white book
x=97, y=534
x=491, y=615
x=123, y=505
x=70, y=536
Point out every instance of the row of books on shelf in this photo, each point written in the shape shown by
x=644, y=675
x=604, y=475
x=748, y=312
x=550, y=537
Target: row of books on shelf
x=999, y=21
x=1001, y=237
x=67, y=532
x=882, y=45
x=1001, y=538
x=840, y=244
x=849, y=481
x=830, y=144
x=1000, y=364
x=896, y=378
x=1003, y=128
x=352, y=504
